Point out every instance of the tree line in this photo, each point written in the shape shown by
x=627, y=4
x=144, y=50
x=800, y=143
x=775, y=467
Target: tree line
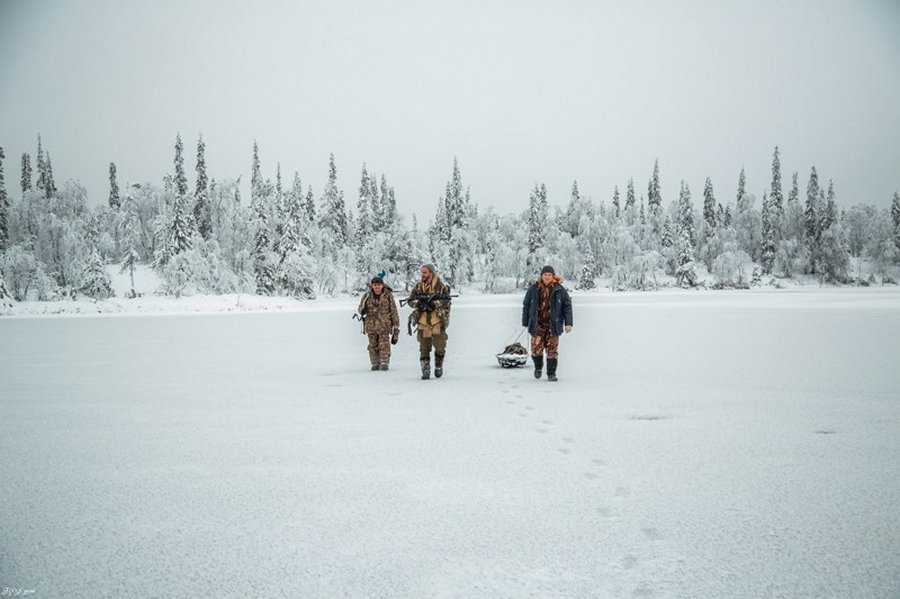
x=287, y=241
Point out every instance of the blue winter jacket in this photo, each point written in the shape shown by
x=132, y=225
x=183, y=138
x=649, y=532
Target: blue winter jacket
x=560, y=309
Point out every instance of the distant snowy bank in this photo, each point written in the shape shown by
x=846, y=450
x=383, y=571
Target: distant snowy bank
x=152, y=301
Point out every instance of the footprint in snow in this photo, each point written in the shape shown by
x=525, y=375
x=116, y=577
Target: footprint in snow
x=591, y=475
x=564, y=450
x=541, y=430
x=623, y=492
x=651, y=533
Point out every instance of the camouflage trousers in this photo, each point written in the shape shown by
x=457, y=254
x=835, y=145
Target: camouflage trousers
x=379, y=348
x=545, y=342
x=438, y=341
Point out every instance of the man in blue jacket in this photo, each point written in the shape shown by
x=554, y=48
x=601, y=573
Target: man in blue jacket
x=547, y=312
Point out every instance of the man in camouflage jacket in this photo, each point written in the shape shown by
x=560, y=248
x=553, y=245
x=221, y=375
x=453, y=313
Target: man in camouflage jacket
x=381, y=322
x=430, y=301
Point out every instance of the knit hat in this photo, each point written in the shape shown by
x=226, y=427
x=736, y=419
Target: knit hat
x=429, y=267
x=377, y=280
x=549, y=269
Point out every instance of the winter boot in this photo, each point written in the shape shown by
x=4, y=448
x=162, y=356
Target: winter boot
x=551, y=368
x=374, y=366
x=426, y=369
x=384, y=365
x=438, y=365
x=538, y=365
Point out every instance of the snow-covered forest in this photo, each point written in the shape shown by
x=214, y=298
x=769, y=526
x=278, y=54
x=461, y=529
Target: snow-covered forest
x=291, y=240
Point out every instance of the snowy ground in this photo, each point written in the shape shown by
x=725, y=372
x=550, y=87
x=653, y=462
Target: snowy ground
x=698, y=444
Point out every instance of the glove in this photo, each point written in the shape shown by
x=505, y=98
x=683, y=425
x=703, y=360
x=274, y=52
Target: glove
x=395, y=336
x=568, y=328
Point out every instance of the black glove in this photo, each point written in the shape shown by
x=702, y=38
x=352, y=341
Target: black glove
x=395, y=336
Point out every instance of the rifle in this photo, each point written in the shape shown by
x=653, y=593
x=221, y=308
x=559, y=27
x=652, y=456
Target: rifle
x=420, y=299
x=428, y=298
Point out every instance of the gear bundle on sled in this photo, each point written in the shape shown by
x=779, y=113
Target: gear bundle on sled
x=513, y=356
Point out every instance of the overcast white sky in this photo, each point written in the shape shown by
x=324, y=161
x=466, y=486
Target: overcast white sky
x=520, y=91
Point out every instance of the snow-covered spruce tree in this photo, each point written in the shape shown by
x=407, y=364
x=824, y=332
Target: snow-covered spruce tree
x=51, y=189
x=537, y=225
x=114, y=199
x=573, y=220
x=630, y=208
x=264, y=259
x=4, y=207
x=746, y=219
x=130, y=256
x=794, y=219
x=202, y=209
x=588, y=271
x=776, y=200
x=895, y=218
x=685, y=273
x=26, y=173
x=365, y=227
x=180, y=229
x=95, y=282
x=741, y=191
x=456, y=204
x=278, y=213
x=667, y=239
x=811, y=220
x=388, y=201
x=654, y=199
x=333, y=219
x=6, y=300
x=833, y=258
x=41, y=181
x=709, y=206
x=828, y=215
x=295, y=265
x=615, y=202
x=310, y=206
x=709, y=226
x=181, y=184
x=791, y=254
x=768, y=249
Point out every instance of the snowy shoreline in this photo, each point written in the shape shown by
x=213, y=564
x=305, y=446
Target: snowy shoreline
x=153, y=305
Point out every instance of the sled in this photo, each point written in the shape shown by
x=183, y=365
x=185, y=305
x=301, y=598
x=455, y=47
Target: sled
x=513, y=356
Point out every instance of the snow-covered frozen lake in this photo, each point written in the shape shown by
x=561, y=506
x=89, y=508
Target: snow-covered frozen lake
x=699, y=444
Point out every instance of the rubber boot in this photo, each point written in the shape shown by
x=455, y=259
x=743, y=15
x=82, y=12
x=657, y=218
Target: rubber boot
x=551, y=368
x=426, y=369
x=438, y=365
x=538, y=365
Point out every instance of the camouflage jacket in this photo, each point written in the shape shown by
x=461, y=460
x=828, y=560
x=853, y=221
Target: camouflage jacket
x=434, y=311
x=379, y=311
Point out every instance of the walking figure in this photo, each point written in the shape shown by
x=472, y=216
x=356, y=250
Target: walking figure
x=547, y=312
x=381, y=322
